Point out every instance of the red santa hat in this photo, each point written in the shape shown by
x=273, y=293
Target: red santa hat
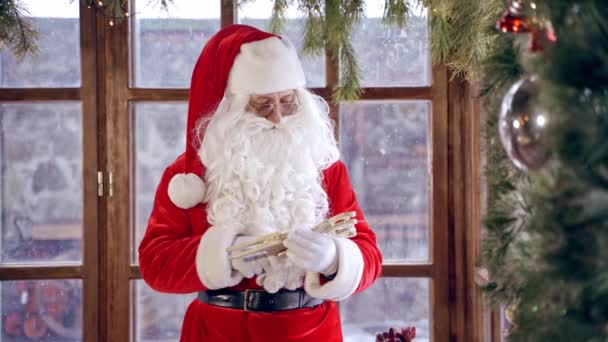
x=238, y=59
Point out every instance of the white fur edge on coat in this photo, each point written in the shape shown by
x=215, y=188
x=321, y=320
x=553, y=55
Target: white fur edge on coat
x=186, y=190
x=350, y=271
x=213, y=265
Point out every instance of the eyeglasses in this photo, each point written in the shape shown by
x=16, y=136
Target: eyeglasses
x=285, y=108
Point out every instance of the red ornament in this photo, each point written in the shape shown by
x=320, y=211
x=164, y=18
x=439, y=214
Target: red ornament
x=513, y=23
x=541, y=38
x=513, y=20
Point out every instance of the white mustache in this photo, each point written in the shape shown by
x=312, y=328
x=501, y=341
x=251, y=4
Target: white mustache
x=256, y=122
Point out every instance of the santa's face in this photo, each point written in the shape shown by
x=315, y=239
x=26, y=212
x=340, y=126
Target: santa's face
x=274, y=106
x=263, y=173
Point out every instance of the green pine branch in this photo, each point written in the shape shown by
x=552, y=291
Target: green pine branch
x=16, y=30
x=396, y=13
x=277, y=19
x=460, y=35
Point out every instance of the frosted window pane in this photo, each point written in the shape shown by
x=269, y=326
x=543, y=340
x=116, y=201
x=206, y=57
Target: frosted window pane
x=158, y=316
x=159, y=137
x=386, y=150
x=389, y=302
x=41, y=182
x=392, y=57
x=58, y=64
x=42, y=310
x=257, y=13
x=166, y=45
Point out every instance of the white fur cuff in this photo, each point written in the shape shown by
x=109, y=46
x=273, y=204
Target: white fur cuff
x=186, y=190
x=350, y=271
x=212, y=263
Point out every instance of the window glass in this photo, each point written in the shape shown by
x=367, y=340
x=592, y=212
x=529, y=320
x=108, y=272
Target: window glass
x=388, y=303
x=166, y=43
x=41, y=310
x=159, y=137
x=58, y=63
x=158, y=316
x=393, y=57
x=41, y=182
x=385, y=146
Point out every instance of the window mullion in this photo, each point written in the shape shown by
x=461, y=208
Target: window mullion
x=228, y=12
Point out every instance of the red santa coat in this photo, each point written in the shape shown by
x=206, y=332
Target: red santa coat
x=169, y=254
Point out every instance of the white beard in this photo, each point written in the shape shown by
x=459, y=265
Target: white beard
x=263, y=178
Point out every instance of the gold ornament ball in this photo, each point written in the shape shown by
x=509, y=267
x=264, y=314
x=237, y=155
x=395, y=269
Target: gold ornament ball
x=522, y=125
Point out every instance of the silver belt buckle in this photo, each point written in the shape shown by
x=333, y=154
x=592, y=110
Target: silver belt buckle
x=247, y=293
x=246, y=300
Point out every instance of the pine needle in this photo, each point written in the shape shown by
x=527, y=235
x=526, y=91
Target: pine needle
x=16, y=30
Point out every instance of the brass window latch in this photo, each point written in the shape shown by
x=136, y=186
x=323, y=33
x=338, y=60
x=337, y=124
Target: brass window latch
x=110, y=184
x=100, y=184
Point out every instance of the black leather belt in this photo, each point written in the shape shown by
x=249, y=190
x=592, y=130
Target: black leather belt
x=259, y=300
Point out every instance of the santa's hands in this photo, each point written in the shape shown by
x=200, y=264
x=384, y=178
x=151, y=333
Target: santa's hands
x=249, y=266
x=312, y=251
x=281, y=273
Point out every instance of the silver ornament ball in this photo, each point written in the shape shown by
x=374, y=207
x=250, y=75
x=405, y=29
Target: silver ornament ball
x=523, y=124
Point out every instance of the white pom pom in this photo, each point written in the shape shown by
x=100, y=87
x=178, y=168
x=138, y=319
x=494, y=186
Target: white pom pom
x=186, y=190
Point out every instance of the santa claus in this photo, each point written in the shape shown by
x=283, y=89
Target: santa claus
x=260, y=158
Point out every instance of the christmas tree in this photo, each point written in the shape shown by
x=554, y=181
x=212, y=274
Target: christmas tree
x=547, y=220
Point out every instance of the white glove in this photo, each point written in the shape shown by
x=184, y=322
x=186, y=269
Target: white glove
x=312, y=251
x=252, y=265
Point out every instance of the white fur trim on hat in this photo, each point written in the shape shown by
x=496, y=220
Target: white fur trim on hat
x=266, y=66
x=350, y=271
x=213, y=265
x=186, y=190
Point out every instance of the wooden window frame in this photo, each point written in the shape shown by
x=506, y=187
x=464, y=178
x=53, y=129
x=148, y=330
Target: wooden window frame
x=87, y=95
x=107, y=270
